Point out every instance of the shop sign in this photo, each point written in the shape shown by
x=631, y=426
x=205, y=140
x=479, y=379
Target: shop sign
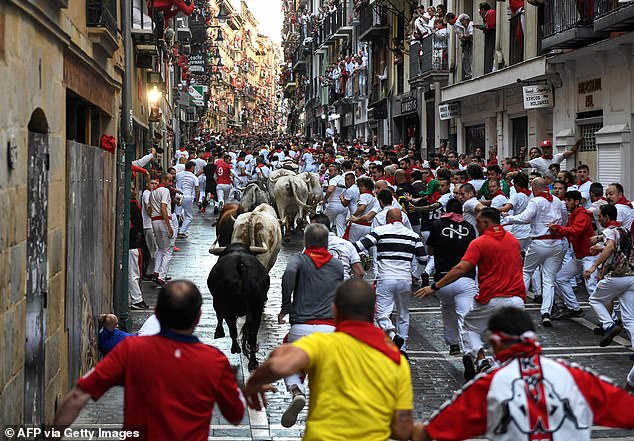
x=589, y=95
x=536, y=97
x=449, y=111
x=196, y=62
x=409, y=105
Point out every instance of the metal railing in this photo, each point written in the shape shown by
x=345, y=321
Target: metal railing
x=516, y=47
x=102, y=13
x=141, y=19
x=429, y=55
x=372, y=16
x=604, y=7
x=561, y=15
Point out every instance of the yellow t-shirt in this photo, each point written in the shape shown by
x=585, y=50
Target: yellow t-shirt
x=354, y=389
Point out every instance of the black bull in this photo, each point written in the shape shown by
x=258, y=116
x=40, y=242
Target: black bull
x=239, y=284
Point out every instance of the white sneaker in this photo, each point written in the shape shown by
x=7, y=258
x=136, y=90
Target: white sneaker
x=289, y=418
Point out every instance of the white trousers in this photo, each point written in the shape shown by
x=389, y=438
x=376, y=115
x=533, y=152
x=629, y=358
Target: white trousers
x=151, y=246
x=164, y=248
x=296, y=332
x=477, y=320
x=549, y=254
x=337, y=215
x=536, y=279
x=569, y=271
x=388, y=294
x=134, y=273
x=358, y=232
x=202, y=181
x=223, y=191
x=609, y=289
x=456, y=300
x=188, y=213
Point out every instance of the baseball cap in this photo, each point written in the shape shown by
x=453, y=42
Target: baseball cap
x=546, y=143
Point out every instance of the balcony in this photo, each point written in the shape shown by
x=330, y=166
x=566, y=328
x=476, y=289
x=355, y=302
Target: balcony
x=568, y=24
x=101, y=21
x=299, y=58
x=428, y=62
x=373, y=23
x=610, y=15
x=142, y=32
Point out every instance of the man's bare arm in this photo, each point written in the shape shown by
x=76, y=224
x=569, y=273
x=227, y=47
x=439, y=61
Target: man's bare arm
x=71, y=405
x=402, y=425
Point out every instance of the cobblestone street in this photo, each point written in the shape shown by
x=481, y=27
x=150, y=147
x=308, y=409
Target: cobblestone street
x=435, y=374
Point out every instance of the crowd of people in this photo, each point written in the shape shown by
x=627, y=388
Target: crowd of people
x=479, y=233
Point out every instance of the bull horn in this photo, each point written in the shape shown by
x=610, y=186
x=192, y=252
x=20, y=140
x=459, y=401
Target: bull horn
x=233, y=218
x=242, y=188
x=258, y=250
x=216, y=250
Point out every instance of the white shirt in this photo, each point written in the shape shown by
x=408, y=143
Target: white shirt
x=158, y=197
x=370, y=202
x=187, y=182
x=151, y=326
x=344, y=251
x=469, y=210
x=499, y=201
x=179, y=168
x=381, y=216
x=145, y=200
x=625, y=215
x=539, y=213
x=178, y=154
x=519, y=201
x=352, y=195
x=477, y=183
x=584, y=189
x=340, y=186
x=541, y=164
x=200, y=163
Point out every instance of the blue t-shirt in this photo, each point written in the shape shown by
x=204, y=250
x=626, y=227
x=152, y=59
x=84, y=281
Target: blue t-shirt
x=109, y=339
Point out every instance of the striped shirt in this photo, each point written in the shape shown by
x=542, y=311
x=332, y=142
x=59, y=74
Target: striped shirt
x=396, y=247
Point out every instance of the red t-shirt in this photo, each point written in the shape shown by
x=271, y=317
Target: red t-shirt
x=223, y=173
x=171, y=383
x=497, y=254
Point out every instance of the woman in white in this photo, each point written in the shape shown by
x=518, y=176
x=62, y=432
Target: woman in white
x=335, y=210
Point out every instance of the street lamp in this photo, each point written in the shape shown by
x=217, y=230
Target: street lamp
x=153, y=95
x=223, y=14
x=219, y=38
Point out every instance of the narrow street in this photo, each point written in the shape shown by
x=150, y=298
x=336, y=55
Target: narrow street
x=435, y=374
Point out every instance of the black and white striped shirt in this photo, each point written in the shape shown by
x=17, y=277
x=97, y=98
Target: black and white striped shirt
x=396, y=247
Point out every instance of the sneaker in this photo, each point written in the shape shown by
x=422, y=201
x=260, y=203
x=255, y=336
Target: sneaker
x=454, y=350
x=546, y=323
x=289, y=418
x=572, y=313
x=538, y=299
x=176, y=249
x=398, y=341
x=558, y=313
x=183, y=235
x=612, y=331
x=216, y=209
x=203, y=209
x=160, y=282
x=424, y=280
x=139, y=305
x=469, y=368
x=148, y=277
x=483, y=365
x=168, y=278
x=155, y=276
x=599, y=331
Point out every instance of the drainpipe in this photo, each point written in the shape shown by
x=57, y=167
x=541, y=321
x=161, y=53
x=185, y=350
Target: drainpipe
x=124, y=171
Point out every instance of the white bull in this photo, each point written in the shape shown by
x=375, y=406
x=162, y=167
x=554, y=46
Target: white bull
x=315, y=193
x=274, y=176
x=291, y=194
x=260, y=228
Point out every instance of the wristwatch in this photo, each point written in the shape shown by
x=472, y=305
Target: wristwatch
x=434, y=287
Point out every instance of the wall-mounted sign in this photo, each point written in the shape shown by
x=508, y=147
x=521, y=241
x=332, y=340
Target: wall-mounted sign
x=536, y=97
x=409, y=105
x=449, y=111
x=589, y=95
x=196, y=62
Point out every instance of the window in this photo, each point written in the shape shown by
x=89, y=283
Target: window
x=474, y=138
x=588, y=132
x=520, y=133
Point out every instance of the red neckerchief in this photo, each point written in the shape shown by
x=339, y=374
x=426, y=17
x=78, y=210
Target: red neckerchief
x=319, y=256
x=182, y=149
x=367, y=192
x=260, y=165
x=613, y=224
x=372, y=336
x=547, y=157
x=580, y=183
x=624, y=201
x=435, y=196
x=372, y=158
x=546, y=195
x=429, y=179
x=525, y=191
x=524, y=345
x=497, y=193
x=601, y=198
x=455, y=217
x=395, y=221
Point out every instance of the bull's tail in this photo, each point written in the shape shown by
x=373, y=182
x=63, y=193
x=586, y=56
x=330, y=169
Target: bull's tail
x=293, y=191
x=250, y=326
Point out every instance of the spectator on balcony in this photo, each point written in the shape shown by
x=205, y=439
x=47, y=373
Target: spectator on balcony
x=398, y=49
x=350, y=65
x=466, y=41
x=488, y=27
x=360, y=71
x=440, y=37
x=441, y=10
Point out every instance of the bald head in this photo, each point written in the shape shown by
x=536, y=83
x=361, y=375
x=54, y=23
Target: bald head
x=539, y=184
x=394, y=214
x=381, y=184
x=354, y=300
x=178, y=305
x=400, y=176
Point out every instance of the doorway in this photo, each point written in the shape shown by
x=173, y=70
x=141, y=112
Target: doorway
x=36, y=263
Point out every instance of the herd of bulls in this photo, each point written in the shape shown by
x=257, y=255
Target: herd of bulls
x=249, y=237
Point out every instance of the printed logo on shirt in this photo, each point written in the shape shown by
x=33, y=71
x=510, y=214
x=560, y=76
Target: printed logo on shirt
x=461, y=231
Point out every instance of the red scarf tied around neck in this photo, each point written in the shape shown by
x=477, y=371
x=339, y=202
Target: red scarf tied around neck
x=371, y=336
x=582, y=182
x=546, y=195
x=624, y=201
x=319, y=256
x=525, y=191
x=522, y=346
x=547, y=157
